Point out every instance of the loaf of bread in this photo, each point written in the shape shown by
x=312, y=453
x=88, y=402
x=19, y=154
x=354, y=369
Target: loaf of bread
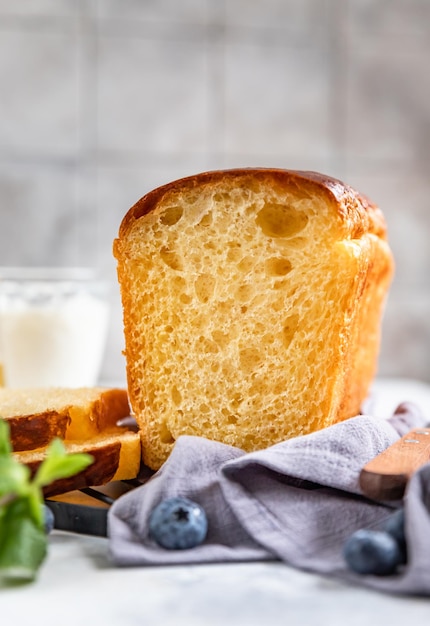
x=252, y=303
x=86, y=419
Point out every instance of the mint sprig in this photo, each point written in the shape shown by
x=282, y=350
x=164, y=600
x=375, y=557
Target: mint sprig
x=23, y=541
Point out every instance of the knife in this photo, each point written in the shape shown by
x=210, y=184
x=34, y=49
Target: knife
x=385, y=477
x=85, y=511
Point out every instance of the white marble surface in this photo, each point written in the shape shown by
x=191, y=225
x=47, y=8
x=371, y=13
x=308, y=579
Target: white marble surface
x=78, y=584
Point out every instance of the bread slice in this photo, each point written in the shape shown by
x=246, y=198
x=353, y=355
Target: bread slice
x=252, y=303
x=115, y=457
x=86, y=419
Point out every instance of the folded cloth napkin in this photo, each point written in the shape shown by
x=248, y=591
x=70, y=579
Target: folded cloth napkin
x=297, y=501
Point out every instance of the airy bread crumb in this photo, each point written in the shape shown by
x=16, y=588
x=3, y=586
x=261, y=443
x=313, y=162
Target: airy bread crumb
x=252, y=303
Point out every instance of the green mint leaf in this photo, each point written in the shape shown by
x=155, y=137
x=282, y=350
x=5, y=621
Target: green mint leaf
x=23, y=545
x=35, y=505
x=23, y=542
x=5, y=445
x=59, y=464
x=14, y=477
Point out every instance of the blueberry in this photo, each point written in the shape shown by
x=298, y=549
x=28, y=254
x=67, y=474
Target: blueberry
x=178, y=524
x=372, y=552
x=48, y=519
x=395, y=526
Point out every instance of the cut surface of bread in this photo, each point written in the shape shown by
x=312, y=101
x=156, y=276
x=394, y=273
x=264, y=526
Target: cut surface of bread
x=86, y=419
x=252, y=303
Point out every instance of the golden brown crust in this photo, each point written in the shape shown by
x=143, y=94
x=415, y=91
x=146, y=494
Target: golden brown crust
x=357, y=212
x=99, y=472
x=112, y=405
x=35, y=431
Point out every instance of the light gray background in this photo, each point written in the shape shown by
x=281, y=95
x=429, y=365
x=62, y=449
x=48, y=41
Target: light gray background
x=100, y=101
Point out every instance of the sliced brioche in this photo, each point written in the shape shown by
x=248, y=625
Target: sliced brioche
x=115, y=457
x=252, y=304
x=37, y=415
x=86, y=419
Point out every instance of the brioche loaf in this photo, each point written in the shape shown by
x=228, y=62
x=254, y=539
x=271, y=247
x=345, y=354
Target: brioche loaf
x=86, y=419
x=252, y=304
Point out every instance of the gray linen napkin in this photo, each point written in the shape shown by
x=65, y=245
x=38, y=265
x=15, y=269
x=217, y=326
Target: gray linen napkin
x=296, y=501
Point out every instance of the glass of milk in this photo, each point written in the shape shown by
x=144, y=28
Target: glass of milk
x=53, y=326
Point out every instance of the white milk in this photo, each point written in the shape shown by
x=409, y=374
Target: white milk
x=52, y=332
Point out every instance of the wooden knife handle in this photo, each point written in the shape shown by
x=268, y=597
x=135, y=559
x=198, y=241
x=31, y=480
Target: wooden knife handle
x=385, y=477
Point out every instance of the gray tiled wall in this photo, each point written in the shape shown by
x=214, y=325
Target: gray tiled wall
x=100, y=101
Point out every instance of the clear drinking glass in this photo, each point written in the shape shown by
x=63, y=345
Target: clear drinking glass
x=53, y=326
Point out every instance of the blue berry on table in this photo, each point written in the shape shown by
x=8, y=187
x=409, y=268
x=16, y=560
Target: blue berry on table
x=178, y=524
x=372, y=552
